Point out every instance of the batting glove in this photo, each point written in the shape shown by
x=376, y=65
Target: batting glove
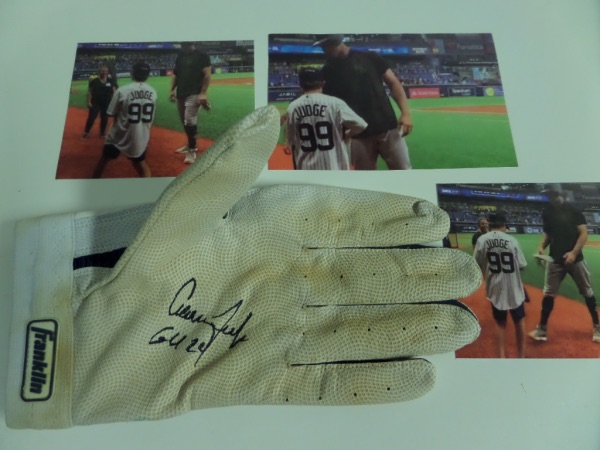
x=218, y=295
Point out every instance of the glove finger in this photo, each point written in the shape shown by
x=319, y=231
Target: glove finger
x=380, y=332
x=210, y=187
x=331, y=217
x=355, y=383
x=366, y=276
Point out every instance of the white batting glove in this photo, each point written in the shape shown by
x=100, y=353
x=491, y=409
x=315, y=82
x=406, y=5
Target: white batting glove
x=286, y=294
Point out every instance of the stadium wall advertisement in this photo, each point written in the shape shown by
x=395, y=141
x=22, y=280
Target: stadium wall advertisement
x=493, y=91
x=287, y=93
x=424, y=92
x=464, y=228
x=516, y=229
x=284, y=94
x=462, y=92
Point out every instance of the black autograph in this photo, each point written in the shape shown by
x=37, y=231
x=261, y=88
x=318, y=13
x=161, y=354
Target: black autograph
x=218, y=325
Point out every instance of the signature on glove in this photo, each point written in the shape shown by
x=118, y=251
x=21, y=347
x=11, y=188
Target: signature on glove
x=219, y=324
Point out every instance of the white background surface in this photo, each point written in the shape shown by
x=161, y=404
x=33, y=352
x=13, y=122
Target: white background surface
x=549, y=55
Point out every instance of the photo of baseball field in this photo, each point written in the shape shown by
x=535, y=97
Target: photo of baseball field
x=230, y=93
x=452, y=82
x=569, y=329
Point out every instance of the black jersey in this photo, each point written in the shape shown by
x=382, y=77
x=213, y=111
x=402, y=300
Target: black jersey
x=189, y=72
x=476, y=236
x=101, y=91
x=560, y=223
x=358, y=80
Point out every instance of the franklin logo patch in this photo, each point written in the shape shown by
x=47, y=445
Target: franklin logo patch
x=40, y=355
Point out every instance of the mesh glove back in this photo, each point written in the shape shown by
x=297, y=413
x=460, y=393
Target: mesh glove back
x=279, y=295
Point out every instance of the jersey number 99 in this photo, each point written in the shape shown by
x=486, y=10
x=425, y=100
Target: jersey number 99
x=503, y=262
x=317, y=137
x=137, y=112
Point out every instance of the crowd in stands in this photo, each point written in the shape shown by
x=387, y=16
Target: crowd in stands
x=416, y=73
x=516, y=213
x=592, y=218
x=122, y=61
x=283, y=74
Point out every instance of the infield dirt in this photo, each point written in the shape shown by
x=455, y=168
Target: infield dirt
x=569, y=329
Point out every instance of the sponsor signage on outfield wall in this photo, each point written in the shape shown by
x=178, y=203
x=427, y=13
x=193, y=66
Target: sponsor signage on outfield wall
x=465, y=228
x=481, y=193
x=402, y=50
x=493, y=91
x=128, y=45
x=284, y=94
x=532, y=230
x=461, y=92
x=292, y=48
x=429, y=92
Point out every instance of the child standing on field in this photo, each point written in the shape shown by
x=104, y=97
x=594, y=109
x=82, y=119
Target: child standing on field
x=501, y=260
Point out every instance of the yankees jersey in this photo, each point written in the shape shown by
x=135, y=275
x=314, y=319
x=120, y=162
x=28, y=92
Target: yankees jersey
x=133, y=107
x=501, y=259
x=315, y=132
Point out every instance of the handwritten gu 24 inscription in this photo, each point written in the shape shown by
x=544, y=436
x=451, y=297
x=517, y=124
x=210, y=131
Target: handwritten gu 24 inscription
x=182, y=307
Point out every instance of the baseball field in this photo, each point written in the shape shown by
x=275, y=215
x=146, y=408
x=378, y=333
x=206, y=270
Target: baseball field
x=231, y=97
x=570, y=325
x=449, y=133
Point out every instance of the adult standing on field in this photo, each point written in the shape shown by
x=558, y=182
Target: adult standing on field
x=189, y=86
x=565, y=231
x=100, y=91
x=357, y=77
x=482, y=228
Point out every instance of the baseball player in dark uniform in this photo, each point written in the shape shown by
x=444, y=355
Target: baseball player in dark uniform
x=482, y=228
x=100, y=92
x=501, y=260
x=357, y=77
x=565, y=231
x=133, y=106
x=189, y=86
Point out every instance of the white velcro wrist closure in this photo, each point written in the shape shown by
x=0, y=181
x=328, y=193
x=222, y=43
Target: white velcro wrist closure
x=41, y=357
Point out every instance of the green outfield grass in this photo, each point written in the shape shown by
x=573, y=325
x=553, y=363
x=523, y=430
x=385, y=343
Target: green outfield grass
x=533, y=274
x=230, y=103
x=449, y=140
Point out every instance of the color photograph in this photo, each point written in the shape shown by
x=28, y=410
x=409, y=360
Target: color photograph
x=141, y=109
x=538, y=246
x=409, y=101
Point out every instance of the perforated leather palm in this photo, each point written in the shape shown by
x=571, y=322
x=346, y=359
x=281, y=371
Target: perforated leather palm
x=287, y=294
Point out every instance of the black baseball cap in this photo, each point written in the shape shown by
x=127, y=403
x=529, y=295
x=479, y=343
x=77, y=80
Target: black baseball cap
x=497, y=219
x=327, y=39
x=309, y=75
x=140, y=70
x=551, y=193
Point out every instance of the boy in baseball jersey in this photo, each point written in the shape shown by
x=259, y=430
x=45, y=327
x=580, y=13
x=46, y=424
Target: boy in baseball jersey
x=319, y=126
x=501, y=260
x=133, y=107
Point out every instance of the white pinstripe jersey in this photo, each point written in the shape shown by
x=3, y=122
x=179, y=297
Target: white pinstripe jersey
x=315, y=130
x=501, y=260
x=134, y=107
